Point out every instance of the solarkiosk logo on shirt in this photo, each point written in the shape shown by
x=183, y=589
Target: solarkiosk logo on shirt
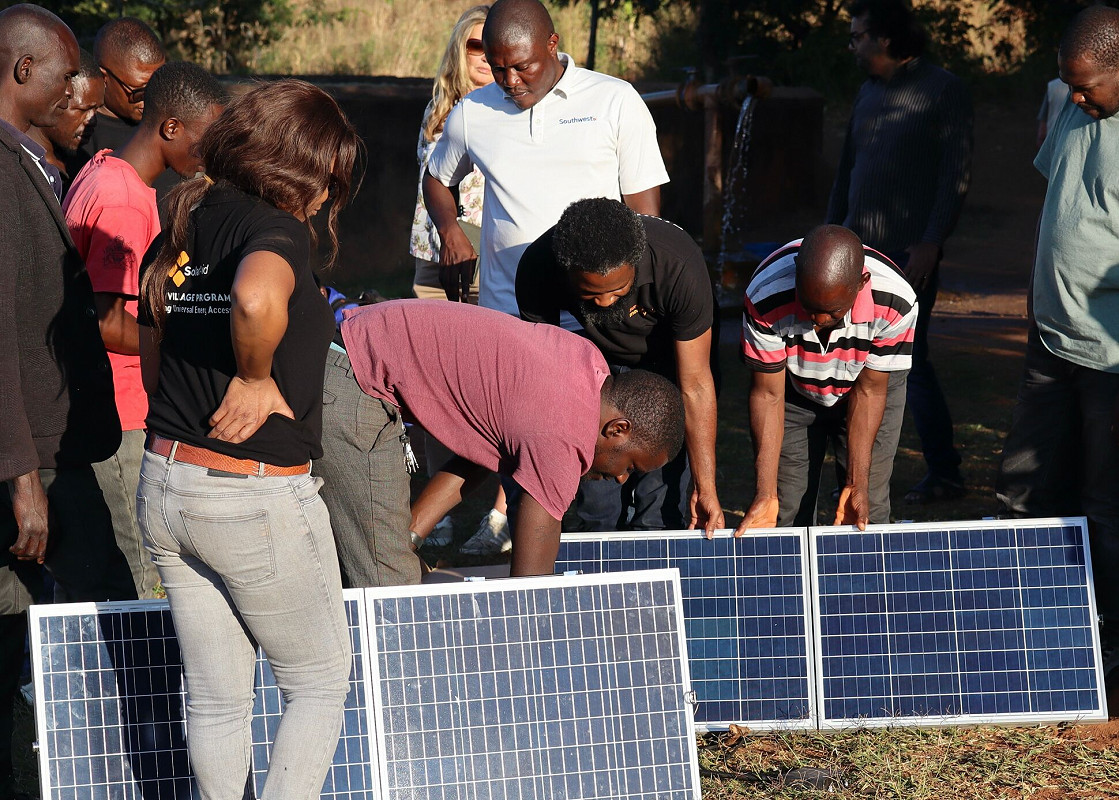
x=193, y=302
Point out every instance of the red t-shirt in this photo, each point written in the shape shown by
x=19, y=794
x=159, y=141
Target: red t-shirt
x=113, y=218
x=514, y=397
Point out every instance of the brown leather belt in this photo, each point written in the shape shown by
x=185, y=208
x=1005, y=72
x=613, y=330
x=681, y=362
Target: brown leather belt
x=201, y=457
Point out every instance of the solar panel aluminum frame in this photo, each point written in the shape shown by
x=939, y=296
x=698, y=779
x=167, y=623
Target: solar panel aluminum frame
x=1099, y=714
x=809, y=721
x=377, y=707
x=36, y=614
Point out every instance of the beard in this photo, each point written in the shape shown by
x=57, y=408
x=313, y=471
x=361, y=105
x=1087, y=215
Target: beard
x=612, y=316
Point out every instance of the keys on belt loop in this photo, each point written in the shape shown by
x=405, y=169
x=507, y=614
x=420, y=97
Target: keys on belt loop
x=410, y=462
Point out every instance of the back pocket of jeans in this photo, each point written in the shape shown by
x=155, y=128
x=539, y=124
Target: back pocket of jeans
x=238, y=547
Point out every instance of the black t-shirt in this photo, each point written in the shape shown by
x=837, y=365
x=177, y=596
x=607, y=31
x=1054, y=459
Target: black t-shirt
x=196, y=355
x=674, y=301
x=113, y=133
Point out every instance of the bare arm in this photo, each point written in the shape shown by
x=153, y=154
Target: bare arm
x=119, y=330
x=258, y=318
x=693, y=371
x=455, y=248
x=455, y=479
x=864, y=416
x=29, y=506
x=767, y=426
x=536, y=537
x=646, y=202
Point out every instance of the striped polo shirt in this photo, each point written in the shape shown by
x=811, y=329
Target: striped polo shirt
x=777, y=333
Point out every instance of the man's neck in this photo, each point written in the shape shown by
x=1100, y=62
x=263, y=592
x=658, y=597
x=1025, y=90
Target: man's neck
x=37, y=135
x=12, y=114
x=144, y=154
x=105, y=111
x=889, y=68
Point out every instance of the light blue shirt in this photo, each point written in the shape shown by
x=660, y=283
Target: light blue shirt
x=1076, y=273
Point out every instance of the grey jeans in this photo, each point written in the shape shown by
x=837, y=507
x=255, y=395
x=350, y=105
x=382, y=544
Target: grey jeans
x=366, y=484
x=118, y=476
x=809, y=427
x=248, y=560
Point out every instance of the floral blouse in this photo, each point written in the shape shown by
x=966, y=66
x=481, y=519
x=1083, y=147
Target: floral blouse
x=425, y=238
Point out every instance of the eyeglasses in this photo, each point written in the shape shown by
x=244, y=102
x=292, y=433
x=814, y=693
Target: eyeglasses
x=857, y=36
x=133, y=95
x=474, y=47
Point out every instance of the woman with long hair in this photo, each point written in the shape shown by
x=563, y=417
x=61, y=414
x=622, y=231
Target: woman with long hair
x=462, y=70
x=233, y=346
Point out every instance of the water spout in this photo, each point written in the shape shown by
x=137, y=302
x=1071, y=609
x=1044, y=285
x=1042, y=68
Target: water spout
x=734, y=190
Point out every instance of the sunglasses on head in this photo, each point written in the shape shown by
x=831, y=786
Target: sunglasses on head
x=133, y=95
x=474, y=47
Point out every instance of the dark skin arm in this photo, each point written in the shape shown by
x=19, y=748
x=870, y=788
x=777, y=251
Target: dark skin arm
x=454, y=481
x=454, y=247
x=29, y=504
x=149, y=360
x=536, y=538
x=647, y=202
x=693, y=372
x=767, y=427
x=865, y=407
x=119, y=329
x=258, y=318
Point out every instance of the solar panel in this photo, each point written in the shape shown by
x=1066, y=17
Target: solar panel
x=572, y=687
x=352, y=772
x=109, y=702
x=947, y=623
x=746, y=616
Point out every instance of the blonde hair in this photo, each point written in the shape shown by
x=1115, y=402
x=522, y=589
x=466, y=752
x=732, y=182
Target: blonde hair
x=452, y=82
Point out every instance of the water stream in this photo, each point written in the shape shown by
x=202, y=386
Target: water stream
x=734, y=189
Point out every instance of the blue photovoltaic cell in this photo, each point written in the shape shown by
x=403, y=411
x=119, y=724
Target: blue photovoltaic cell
x=351, y=773
x=956, y=622
x=110, y=700
x=745, y=615
x=529, y=688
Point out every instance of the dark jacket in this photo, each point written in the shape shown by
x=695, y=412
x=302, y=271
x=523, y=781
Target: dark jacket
x=56, y=385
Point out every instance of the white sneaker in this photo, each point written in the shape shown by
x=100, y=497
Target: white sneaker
x=442, y=534
x=491, y=537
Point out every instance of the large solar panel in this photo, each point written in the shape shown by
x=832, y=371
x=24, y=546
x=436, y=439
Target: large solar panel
x=946, y=623
x=572, y=687
x=746, y=615
x=110, y=703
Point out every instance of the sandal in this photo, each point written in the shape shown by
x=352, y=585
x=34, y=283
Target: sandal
x=933, y=489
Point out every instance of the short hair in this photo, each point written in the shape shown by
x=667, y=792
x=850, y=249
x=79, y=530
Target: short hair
x=653, y=406
x=598, y=235
x=88, y=67
x=128, y=37
x=1093, y=34
x=893, y=20
x=518, y=21
x=181, y=90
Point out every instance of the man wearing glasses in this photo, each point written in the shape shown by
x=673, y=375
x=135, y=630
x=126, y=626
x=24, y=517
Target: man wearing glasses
x=128, y=52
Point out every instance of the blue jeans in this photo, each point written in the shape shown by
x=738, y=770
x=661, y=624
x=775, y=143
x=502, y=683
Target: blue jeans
x=245, y=561
x=924, y=396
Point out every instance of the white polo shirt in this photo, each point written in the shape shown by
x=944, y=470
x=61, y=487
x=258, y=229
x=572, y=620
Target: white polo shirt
x=591, y=136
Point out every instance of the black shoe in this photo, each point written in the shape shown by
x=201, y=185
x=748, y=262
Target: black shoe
x=934, y=489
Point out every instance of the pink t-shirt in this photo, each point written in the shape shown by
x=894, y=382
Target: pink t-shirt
x=511, y=396
x=113, y=218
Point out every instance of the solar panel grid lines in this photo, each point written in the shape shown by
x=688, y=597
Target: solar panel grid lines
x=110, y=703
x=956, y=623
x=352, y=771
x=746, y=612
x=568, y=687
